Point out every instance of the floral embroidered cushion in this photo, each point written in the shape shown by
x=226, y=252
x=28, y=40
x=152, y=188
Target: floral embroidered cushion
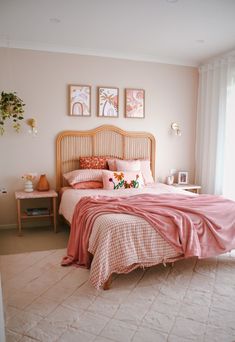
x=95, y=162
x=114, y=180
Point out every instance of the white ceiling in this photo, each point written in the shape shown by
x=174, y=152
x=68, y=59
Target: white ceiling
x=185, y=32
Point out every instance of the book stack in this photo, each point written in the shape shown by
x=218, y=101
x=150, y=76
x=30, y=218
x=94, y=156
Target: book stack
x=37, y=211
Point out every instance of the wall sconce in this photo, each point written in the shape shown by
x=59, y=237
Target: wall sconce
x=176, y=129
x=33, y=126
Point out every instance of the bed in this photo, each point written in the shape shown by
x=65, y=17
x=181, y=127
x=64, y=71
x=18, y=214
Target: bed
x=118, y=242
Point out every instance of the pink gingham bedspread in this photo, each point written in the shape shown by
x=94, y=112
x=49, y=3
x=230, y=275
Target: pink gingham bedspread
x=200, y=226
x=120, y=243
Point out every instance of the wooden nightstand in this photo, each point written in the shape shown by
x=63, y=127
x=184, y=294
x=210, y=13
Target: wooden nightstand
x=22, y=195
x=188, y=187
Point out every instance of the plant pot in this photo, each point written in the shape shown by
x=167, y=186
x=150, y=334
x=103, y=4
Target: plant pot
x=43, y=184
x=28, y=186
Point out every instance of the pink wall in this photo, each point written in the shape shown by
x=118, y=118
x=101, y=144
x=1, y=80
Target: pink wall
x=41, y=79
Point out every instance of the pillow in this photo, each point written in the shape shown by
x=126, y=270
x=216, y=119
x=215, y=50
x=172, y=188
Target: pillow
x=146, y=171
x=95, y=162
x=122, y=180
x=88, y=185
x=130, y=165
x=79, y=176
x=112, y=164
x=127, y=165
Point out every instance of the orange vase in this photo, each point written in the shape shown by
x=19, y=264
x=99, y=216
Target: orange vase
x=43, y=184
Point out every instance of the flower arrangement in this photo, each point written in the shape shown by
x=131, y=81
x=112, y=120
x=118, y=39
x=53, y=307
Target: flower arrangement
x=29, y=176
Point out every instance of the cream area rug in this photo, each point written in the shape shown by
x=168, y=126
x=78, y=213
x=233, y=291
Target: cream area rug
x=193, y=301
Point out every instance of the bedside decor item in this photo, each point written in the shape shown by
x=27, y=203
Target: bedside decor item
x=134, y=103
x=170, y=179
x=43, y=184
x=80, y=100
x=12, y=108
x=108, y=102
x=183, y=177
x=28, y=178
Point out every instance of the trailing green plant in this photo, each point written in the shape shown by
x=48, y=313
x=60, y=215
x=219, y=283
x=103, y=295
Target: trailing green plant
x=12, y=108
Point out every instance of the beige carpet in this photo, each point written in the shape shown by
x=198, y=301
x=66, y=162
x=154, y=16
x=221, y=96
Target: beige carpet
x=44, y=302
x=33, y=239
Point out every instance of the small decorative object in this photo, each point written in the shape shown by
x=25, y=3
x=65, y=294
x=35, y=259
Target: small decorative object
x=43, y=184
x=108, y=102
x=12, y=108
x=80, y=100
x=28, y=178
x=134, y=103
x=183, y=177
x=170, y=180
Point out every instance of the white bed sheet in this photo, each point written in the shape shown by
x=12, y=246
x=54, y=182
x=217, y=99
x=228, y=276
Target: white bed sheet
x=70, y=197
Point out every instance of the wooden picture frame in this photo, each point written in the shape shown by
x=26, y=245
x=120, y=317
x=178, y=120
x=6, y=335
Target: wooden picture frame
x=108, y=102
x=183, y=177
x=79, y=100
x=134, y=103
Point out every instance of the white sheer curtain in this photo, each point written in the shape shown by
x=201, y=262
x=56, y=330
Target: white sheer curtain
x=215, y=81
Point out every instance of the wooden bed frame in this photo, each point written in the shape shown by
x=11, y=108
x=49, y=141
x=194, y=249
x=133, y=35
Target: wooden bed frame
x=104, y=140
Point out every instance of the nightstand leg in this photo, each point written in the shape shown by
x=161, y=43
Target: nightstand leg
x=54, y=214
x=19, y=216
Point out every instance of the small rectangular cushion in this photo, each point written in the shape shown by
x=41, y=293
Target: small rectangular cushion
x=78, y=176
x=113, y=180
x=95, y=162
x=88, y=185
x=127, y=165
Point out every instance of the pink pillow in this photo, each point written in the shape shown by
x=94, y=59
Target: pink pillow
x=78, y=176
x=146, y=171
x=122, y=180
x=128, y=165
x=112, y=164
x=88, y=185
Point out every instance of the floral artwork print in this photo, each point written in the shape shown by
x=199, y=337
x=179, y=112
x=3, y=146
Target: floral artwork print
x=108, y=102
x=122, y=183
x=80, y=100
x=134, y=103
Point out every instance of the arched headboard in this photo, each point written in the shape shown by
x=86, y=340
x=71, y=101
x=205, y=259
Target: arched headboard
x=104, y=140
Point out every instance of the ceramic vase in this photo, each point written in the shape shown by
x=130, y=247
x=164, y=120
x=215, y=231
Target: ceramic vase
x=43, y=184
x=28, y=186
x=170, y=180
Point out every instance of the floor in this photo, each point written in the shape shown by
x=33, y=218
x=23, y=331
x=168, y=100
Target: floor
x=34, y=239
x=193, y=301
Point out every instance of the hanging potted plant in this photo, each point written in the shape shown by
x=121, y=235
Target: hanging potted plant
x=12, y=108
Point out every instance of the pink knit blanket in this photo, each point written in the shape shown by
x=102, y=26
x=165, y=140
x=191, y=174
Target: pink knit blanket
x=201, y=226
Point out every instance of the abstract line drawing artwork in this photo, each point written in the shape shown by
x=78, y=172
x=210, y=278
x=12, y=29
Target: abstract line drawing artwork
x=108, y=101
x=80, y=100
x=134, y=103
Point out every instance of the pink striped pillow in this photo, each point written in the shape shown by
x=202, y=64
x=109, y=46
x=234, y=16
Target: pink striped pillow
x=85, y=175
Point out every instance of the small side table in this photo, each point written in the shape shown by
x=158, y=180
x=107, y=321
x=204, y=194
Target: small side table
x=188, y=187
x=22, y=195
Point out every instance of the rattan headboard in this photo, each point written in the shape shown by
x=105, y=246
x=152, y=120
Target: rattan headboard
x=105, y=140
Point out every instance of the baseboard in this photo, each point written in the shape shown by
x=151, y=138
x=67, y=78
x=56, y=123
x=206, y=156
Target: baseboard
x=25, y=225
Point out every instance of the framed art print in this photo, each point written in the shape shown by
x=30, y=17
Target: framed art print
x=108, y=102
x=79, y=100
x=134, y=103
x=183, y=177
